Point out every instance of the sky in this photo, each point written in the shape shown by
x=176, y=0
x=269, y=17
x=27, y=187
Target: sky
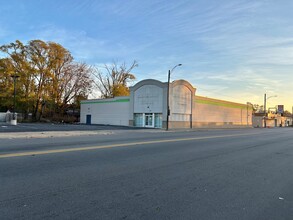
x=234, y=50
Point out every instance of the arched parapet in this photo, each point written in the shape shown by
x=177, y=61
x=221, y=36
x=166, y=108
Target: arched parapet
x=148, y=96
x=185, y=83
x=147, y=82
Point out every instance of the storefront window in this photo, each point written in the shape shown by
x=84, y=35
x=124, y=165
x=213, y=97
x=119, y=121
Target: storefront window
x=148, y=120
x=158, y=120
x=138, y=120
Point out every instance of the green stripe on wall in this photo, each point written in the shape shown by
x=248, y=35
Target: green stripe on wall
x=229, y=105
x=103, y=102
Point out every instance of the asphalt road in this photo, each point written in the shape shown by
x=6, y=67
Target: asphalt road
x=149, y=174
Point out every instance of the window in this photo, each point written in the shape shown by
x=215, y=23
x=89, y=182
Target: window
x=138, y=119
x=148, y=120
x=158, y=120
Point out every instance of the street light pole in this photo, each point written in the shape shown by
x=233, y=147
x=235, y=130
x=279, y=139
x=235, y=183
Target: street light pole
x=14, y=76
x=265, y=107
x=168, y=93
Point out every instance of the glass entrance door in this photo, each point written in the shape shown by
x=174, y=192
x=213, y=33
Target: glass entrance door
x=149, y=120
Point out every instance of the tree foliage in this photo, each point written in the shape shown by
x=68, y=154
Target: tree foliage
x=113, y=81
x=48, y=77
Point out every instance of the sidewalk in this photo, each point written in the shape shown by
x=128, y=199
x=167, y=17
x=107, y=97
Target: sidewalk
x=51, y=134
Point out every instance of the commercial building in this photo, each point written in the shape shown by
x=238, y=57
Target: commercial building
x=147, y=107
x=272, y=119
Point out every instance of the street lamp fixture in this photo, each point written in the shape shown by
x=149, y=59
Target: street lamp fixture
x=265, y=107
x=168, y=91
x=14, y=76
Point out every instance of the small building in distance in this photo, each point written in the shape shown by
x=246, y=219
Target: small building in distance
x=271, y=119
x=147, y=107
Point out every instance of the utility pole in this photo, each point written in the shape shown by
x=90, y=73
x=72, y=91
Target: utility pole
x=265, y=107
x=14, y=76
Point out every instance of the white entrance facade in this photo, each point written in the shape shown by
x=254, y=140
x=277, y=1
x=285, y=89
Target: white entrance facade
x=150, y=120
x=147, y=99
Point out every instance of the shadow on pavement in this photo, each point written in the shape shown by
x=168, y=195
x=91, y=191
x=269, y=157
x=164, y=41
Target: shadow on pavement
x=31, y=127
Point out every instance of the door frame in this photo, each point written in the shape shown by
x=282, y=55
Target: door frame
x=88, y=119
x=145, y=115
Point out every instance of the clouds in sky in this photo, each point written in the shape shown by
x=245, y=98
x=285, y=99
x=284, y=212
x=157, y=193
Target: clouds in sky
x=235, y=50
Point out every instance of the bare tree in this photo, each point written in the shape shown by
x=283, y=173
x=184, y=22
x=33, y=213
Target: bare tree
x=113, y=82
x=76, y=81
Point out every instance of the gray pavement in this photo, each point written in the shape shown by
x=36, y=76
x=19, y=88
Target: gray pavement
x=144, y=174
x=51, y=130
